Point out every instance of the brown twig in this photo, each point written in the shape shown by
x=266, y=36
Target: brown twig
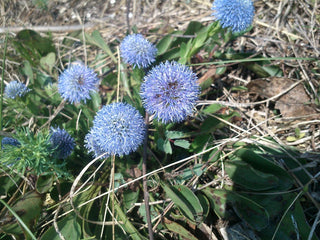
x=67, y=28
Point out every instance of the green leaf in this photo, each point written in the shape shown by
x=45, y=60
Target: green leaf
x=165, y=43
x=47, y=62
x=193, y=28
x=96, y=39
x=27, y=70
x=221, y=70
x=44, y=183
x=95, y=102
x=182, y=143
x=264, y=165
x=276, y=206
x=245, y=175
x=205, y=204
x=213, y=108
x=28, y=208
x=32, y=46
x=251, y=212
x=178, y=229
x=248, y=210
x=8, y=184
x=164, y=145
x=175, y=134
x=68, y=227
x=130, y=197
x=185, y=200
x=188, y=173
x=184, y=51
x=218, y=201
x=127, y=225
x=211, y=124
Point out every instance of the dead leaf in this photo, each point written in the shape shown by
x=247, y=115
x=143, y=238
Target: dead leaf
x=293, y=103
x=210, y=73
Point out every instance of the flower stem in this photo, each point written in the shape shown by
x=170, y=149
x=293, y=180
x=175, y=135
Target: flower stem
x=144, y=172
x=112, y=196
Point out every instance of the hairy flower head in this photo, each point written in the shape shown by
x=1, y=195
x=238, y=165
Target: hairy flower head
x=234, y=14
x=137, y=51
x=15, y=89
x=77, y=82
x=92, y=145
x=170, y=91
x=62, y=142
x=118, y=129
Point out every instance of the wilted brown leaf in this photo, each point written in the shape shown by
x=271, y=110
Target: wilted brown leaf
x=292, y=103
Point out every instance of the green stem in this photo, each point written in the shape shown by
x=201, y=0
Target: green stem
x=253, y=60
x=19, y=219
x=145, y=187
x=2, y=78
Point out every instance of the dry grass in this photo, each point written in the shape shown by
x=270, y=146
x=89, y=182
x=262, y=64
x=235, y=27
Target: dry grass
x=282, y=28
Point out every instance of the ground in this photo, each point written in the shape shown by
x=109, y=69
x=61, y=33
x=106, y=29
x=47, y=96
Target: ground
x=283, y=30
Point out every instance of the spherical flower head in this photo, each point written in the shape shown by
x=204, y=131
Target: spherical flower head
x=234, y=14
x=15, y=89
x=118, y=129
x=77, y=82
x=92, y=145
x=9, y=141
x=62, y=142
x=170, y=91
x=137, y=51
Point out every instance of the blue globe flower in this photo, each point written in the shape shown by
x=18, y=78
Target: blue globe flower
x=137, y=51
x=170, y=91
x=77, y=82
x=9, y=141
x=234, y=14
x=92, y=145
x=118, y=129
x=62, y=142
x=15, y=89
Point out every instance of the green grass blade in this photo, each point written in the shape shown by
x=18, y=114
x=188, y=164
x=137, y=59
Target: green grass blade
x=2, y=78
x=18, y=219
